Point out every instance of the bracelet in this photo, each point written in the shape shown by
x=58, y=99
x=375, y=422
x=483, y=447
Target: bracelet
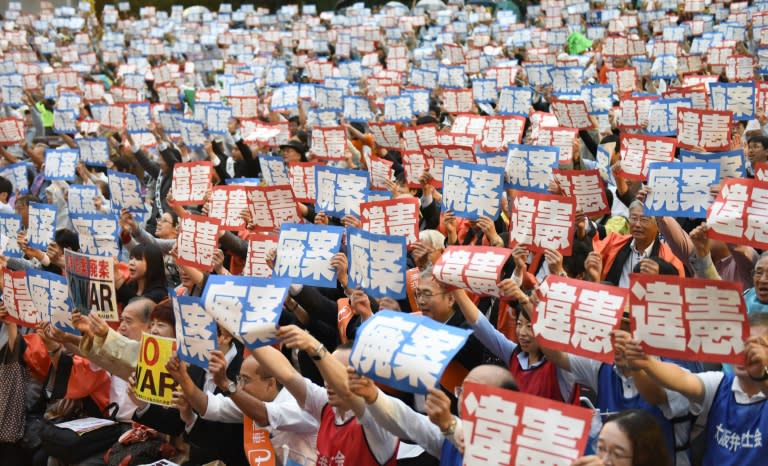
x=319, y=352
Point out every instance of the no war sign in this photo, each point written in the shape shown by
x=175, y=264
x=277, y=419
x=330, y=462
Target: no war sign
x=153, y=382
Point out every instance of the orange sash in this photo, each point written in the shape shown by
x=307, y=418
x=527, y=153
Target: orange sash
x=257, y=445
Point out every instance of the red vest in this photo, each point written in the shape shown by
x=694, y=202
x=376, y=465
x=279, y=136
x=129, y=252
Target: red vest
x=540, y=380
x=345, y=444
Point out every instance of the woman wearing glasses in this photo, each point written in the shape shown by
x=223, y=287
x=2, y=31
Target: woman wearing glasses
x=629, y=438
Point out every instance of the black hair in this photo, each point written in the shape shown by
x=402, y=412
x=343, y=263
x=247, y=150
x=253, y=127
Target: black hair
x=6, y=186
x=155, y=274
x=67, y=239
x=760, y=139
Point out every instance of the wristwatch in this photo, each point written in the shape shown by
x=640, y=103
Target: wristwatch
x=319, y=352
x=231, y=389
x=451, y=428
x=763, y=378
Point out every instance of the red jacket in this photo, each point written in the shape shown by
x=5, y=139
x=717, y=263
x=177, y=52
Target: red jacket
x=609, y=248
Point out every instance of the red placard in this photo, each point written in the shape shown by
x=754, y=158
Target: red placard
x=435, y=156
x=578, y=317
x=474, y=268
x=399, y=217
x=380, y=171
x=572, y=114
x=542, y=221
x=563, y=138
x=198, y=238
x=468, y=123
x=244, y=107
x=507, y=427
x=761, y=171
x=271, y=206
x=302, y=178
x=623, y=80
x=587, y=187
x=21, y=309
x=638, y=151
x=740, y=213
x=329, y=143
x=457, y=100
x=227, y=205
x=697, y=94
x=704, y=129
x=191, y=182
x=11, y=131
x=689, y=318
x=259, y=246
x=414, y=165
x=500, y=131
x=634, y=111
x=386, y=135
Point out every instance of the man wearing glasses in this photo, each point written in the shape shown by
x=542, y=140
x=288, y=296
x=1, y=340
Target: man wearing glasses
x=614, y=257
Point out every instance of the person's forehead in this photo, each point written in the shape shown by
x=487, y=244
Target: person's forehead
x=429, y=283
x=762, y=263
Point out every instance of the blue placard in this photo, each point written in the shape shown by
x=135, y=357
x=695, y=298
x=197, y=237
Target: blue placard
x=61, y=164
x=40, y=225
x=339, y=191
x=195, y=329
x=273, y=170
x=10, y=226
x=94, y=151
x=680, y=189
x=357, y=109
x=472, y=191
x=515, y=101
x=567, y=79
x=243, y=181
x=539, y=75
x=377, y=263
x=305, y=252
x=248, y=307
x=329, y=99
x=484, y=90
x=420, y=100
x=598, y=97
x=125, y=190
x=529, y=167
x=80, y=198
x=423, y=78
x=732, y=164
x=217, y=118
x=192, y=133
x=451, y=77
x=662, y=116
x=738, y=98
x=398, y=108
x=405, y=351
x=137, y=117
x=285, y=97
x=98, y=233
x=16, y=173
x=50, y=293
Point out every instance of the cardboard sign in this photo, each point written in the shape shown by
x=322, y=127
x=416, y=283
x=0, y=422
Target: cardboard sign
x=196, y=333
x=10, y=226
x=81, y=199
x=501, y=131
x=472, y=191
x=50, y=295
x=662, y=116
x=11, y=131
x=572, y=114
x=529, y=167
x=191, y=182
x=125, y=189
x=737, y=98
x=638, y=152
x=681, y=189
x=731, y=163
x=622, y=80
x=198, y=238
x=247, y=307
x=562, y=138
x=386, y=135
x=305, y=252
x=689, y=318
x=91, y=281
x=507, y=427
x=708, y=130
x=635, y=111
x=474, y=268
x=515, y=101
x=61, y=164
x=93, y=151
x=329, y=143
x=153, y=382
x=542, y=221
x=405, y=351
x=738, y=214
x=395, y=217
x=377, y=263
x=578, y=317
x=587, y=187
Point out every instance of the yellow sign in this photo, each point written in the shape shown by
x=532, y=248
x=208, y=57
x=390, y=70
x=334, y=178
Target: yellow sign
x=153, y=383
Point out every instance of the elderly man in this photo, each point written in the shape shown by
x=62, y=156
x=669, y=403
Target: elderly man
x=615, y=257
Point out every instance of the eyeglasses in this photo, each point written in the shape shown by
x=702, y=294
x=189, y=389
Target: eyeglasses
x=760, y=273
x=426, y=294
x=612, y=455
x=642, y=220
x=458, y=391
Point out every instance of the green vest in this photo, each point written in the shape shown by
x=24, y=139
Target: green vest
x=45, y=115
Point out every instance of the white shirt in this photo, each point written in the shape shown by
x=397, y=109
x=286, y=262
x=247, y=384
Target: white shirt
x=289, y=425
x=634, y=258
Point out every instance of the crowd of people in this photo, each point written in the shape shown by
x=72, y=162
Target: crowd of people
x=300, y=396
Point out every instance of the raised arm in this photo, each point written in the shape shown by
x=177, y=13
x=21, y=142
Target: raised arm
x=277, y=365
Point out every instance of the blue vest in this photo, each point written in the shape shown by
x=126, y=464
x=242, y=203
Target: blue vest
x=449, y=455
x=610, y=399
x=735, y=431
